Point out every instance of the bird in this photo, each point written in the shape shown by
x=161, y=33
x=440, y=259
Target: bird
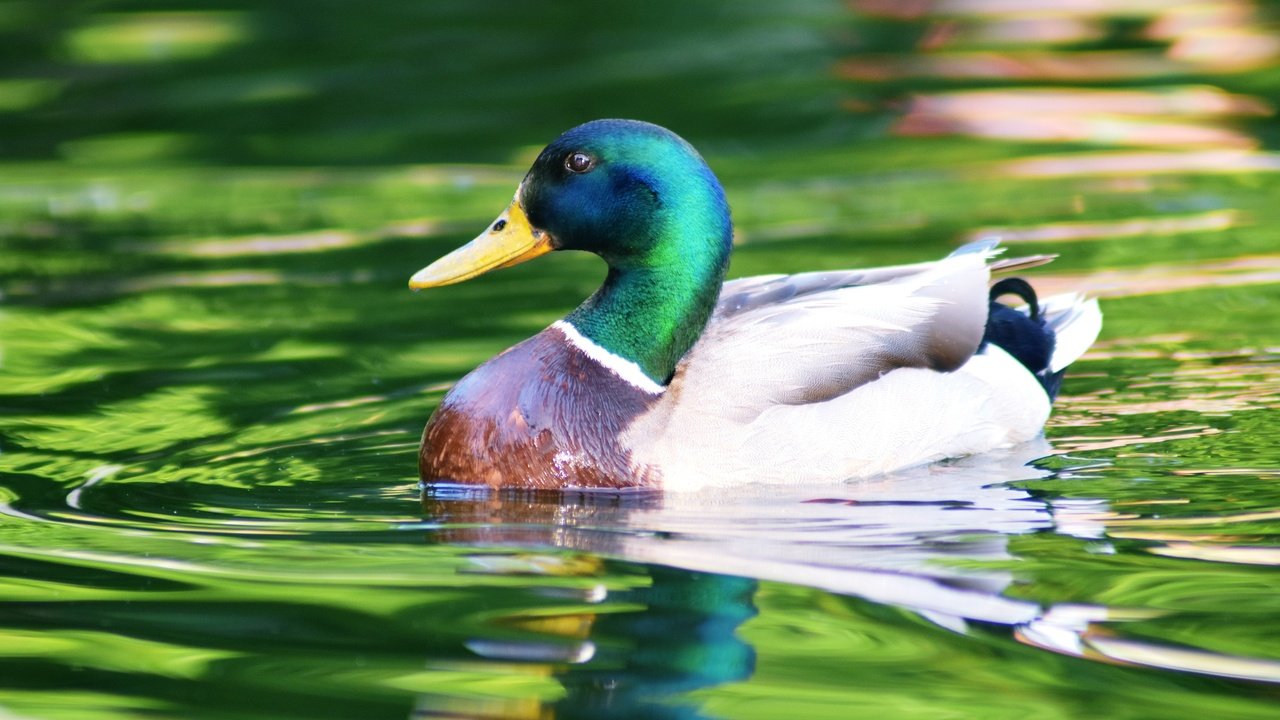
x=670, y=379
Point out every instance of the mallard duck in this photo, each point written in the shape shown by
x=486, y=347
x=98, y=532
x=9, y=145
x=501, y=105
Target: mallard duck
x=668, y=378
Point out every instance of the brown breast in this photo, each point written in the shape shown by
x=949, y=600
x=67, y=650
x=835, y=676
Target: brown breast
x=540, y=415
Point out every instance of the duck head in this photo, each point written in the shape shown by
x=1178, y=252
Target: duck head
x=642, y=199
x=631, y=192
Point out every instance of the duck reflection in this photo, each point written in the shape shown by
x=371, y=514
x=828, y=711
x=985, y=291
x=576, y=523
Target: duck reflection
x=682, y=640
x=676, y=632
x=898, y=541
x=672, y=631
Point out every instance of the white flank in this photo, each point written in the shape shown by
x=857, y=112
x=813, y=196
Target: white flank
x=907, y=418
x=619, y=366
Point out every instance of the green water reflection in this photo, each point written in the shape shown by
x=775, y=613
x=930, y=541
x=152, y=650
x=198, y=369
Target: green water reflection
x=212, y=377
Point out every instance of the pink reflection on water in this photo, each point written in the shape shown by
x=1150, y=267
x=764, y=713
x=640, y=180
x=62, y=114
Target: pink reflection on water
x=979, y=40
x=915, y=9
x=1037, y=65
x=1165, y=278
x=1140, y=163
x=1186, y=100
x=1098, y=130
x=1214, y=220
x=1106, y=117
x=1012, y=31
x=1101, y=117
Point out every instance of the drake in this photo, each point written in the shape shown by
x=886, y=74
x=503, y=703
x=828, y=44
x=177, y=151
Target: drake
x=669, y=378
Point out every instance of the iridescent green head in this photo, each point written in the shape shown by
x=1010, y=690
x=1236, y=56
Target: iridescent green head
x=631, y=192
x=643, y=199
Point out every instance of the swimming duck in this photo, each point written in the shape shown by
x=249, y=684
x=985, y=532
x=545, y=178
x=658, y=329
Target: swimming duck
x=668, y=378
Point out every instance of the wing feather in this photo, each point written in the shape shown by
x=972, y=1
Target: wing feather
x=790, y=340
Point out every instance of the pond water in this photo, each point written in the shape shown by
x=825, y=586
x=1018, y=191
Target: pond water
x=213, y=378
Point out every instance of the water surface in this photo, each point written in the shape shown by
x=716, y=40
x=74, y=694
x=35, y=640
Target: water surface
x=213, y=380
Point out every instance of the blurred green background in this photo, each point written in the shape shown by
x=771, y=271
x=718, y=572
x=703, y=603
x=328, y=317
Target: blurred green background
x=331, y=82
x=213, y=377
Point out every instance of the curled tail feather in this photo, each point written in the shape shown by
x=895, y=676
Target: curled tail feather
x=1047, y=336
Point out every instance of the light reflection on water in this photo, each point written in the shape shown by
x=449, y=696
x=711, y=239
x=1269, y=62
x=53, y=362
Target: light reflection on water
x=212, y=383
x=1200, y=37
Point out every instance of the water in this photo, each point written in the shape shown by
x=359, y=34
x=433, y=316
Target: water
x=212, y=377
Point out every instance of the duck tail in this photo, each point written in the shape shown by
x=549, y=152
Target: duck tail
x=1076, y=322
x=1047, y=335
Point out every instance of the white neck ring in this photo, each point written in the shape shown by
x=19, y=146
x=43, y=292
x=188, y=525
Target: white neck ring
x=620, y=366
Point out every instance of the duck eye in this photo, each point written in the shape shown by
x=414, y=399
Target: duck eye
x=579, y=162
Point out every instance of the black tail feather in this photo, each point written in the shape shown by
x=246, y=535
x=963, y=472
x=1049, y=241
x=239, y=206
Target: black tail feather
x=1023, y=335
x=1021, y=288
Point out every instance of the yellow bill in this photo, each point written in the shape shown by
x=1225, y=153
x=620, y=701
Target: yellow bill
x=509, y=240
